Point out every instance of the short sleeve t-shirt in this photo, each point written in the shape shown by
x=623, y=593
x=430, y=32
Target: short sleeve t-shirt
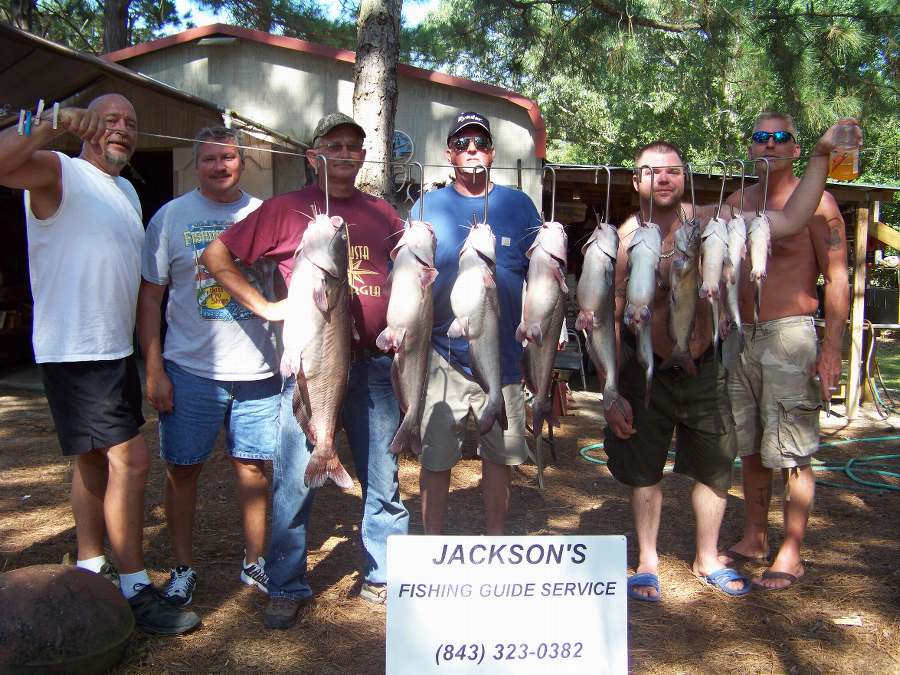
x=514, y=221
x=274, y=231
x=210, y=334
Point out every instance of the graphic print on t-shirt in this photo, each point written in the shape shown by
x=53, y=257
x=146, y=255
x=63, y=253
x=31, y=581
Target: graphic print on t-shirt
x=213, y=301
x=359, y=270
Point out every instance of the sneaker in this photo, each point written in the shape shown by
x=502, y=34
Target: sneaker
x=374, y=593
x=179, y=588
x=281, y=613
x=110, y=572
x=254, y=574
x=153, y=613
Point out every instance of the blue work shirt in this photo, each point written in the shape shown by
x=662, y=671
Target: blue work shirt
x=514, y=221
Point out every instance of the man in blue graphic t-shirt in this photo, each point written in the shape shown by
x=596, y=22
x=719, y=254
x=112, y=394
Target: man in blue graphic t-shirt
x=452, y=391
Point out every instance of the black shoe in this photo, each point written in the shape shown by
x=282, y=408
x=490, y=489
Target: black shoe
x=154, y=614
x=109, y=571
x=281, y=613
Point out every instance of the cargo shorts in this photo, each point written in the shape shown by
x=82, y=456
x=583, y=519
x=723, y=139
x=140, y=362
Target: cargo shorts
x=693, y=407
x=449, y=397
x=774, y=394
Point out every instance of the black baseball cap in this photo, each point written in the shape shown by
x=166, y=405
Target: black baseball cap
x=470, y=118
x=334, y=120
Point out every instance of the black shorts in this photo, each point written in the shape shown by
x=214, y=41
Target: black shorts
x=696, y=408
x=95, y=404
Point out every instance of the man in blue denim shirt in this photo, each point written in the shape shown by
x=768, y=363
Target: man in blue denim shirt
x=370, y=414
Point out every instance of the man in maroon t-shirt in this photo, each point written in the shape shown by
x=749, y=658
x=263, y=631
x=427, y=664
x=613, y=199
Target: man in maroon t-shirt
x=370, y=414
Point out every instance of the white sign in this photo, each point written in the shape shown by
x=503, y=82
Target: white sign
x=506, y=605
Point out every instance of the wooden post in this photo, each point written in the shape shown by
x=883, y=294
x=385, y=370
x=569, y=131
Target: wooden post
x=857, y=307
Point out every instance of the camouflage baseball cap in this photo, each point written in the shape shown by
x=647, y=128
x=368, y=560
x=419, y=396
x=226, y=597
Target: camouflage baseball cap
x=332, y=121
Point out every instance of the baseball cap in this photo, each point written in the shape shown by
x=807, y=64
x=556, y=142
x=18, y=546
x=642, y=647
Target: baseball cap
x=470, y=118
x=332, y=121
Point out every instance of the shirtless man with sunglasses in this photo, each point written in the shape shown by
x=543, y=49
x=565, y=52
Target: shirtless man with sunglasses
x=781, y=373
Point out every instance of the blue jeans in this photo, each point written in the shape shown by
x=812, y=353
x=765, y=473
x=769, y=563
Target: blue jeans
x=247, y=409
x=370, y=416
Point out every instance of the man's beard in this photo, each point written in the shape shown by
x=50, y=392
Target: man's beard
x=115, y=159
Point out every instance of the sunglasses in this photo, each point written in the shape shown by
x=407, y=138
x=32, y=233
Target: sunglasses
x=462, y=143
x=779, y=136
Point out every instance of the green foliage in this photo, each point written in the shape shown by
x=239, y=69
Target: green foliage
x=612, y=74
x=79, y=23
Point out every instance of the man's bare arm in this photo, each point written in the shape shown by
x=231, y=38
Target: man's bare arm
x=149, y=305
x=219, y=262
x=804, y=201
x=828, y=236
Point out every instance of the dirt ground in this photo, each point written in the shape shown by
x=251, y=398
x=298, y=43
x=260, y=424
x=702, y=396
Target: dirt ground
x=851, y=559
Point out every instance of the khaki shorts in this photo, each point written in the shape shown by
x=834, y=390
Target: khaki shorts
x=774, y=394
x=449, y=397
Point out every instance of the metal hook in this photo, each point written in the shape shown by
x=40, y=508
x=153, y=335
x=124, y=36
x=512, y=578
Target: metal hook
x=487, y=187
x=421, y=190
x=721, y=186
x=740, y=163
x=652, y=186
x=325, y=169
x=552, y=171
x=765, y=187
x=606, y=168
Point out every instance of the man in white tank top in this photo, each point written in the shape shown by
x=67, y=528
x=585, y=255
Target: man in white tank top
x=84, y=252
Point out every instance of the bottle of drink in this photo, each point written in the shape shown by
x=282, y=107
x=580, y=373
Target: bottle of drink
x=844, y=160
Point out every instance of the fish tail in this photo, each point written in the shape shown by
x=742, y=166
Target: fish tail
x=539, y=413
x=495, y=411
x=408, y=437
x=757, y=297
x=324, y=465
x=715, y=314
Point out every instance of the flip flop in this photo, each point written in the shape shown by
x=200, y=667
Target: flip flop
x=721, y=578
x=769, y=574
x=643, y=579
x=741, y=559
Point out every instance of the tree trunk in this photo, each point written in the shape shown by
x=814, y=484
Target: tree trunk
x=375, y=90
x=115, y=24
x=21, y=15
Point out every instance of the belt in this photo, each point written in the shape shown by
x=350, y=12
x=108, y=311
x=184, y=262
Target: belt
x=358, y=353
x=628, y=339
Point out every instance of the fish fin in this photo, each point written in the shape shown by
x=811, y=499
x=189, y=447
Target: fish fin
x=290, y=363
x=301, y=407
x=354, y=334
x=757, y=297
x=427, y=276
x=533, y=334
x=488, y=279
x=324, y=465
x=494, y=412
x=390, y=340
x=458, y=329
x=320, y=296
x=728, y=271
x=560, y=278
x=585, y=320
x=408, y=437
x=520, y=332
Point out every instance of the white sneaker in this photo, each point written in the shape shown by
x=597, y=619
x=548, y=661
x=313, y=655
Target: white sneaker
x=254, y=574
x=179, y=589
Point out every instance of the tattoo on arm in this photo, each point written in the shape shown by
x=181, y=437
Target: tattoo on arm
x=834, y=238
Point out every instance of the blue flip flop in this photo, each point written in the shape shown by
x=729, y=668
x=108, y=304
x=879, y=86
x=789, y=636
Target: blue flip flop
x=721, y=578
x=643, y=579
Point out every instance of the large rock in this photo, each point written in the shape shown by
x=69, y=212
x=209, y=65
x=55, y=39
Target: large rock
x=60, y=619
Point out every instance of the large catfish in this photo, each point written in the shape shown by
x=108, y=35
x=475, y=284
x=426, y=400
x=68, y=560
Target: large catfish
x=476, y=309
x=684, y=278
x=640, y=290
x=597, y=305
x=715, y=265
x=760, y=246
x=737, y=247
x=408, y=332
x=317, y=343
x=543, y=313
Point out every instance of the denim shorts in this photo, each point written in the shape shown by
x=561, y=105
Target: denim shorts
x=248, y=410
